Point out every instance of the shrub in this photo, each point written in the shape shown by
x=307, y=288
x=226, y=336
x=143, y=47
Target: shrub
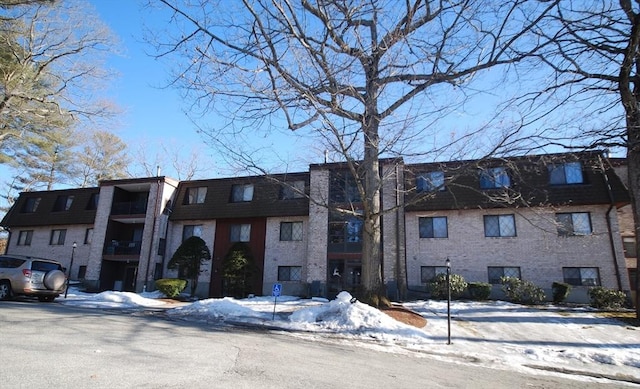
x=171, y=287
x=560, y=291
x=479, y=290
x=188, y=258
x=438, y=286
x=603, y=298
x=522, y=292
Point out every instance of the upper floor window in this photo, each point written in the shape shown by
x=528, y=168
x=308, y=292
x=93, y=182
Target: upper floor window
x=195, y=195
x=191, y=230
x=566, y=173
x=31, y=204
x=576, y=223
x=24, y=238
x=240, y=232
x=292, y=190
x=57, y=237
x=433, y=227
x=430, y=182
x=345, y=233
x=93, y=201
x=499, y=226
x=343, y=188
x=629, y=245
x=427, y=273
x=496, y=177
x=581, y=276
x=291, y=231
x=241, y=193
x=63, y=203
x=496, y=273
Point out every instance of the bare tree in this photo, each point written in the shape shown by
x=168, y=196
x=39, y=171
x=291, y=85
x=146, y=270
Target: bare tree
x=50, y=54
x=368, y=78
x=101, y=156
x=170, y=160
x=592, y=96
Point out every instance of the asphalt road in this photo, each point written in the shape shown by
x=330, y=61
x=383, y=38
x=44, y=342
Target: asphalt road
x=55, y=346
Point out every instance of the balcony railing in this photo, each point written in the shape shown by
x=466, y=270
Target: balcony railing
x=122, y=247
x=129, y=208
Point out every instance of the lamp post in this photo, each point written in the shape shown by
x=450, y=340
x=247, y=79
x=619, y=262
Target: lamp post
x=448, y=263
x=73, y=250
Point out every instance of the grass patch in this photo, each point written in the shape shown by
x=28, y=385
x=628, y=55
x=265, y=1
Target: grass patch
x=628, y=317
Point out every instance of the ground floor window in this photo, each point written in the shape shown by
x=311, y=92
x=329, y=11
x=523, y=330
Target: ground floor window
x=289, y=273
x=82, y=272
x=497, y=272
x=633, y=273
x=24, y=238
x=427, y=273
x=581, y=276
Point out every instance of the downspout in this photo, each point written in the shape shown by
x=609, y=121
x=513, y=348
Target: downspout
x=608, y=217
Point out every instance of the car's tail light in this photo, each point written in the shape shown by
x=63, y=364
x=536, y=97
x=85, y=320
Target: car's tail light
x=26, y=273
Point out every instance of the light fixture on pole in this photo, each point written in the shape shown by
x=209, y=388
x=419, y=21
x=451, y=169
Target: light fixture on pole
x=73, y=251
x=448, y=263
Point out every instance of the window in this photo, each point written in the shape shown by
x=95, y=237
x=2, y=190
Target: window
x=433, y=227
x=292, y=190
x=63, y=203
x=427, y=273
x=499, y=226
x=240, y=232
x=291, y=231
x=195, y=195
x=571, y=224
x=581, y=276
x=430, y=182
x=93, y=201
x=497, y=272
x=24, y=238
x=633, y=273
x=30, y=204
x=191, y=230
x=88, y=236
x=566, y=174
x=241, y=193
x=289, y=273
x=57, y=237
x=629, y=245
x=343, y=188
x=493, y=178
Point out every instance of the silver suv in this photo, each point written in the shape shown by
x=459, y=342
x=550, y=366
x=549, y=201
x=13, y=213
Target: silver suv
x=31, y=276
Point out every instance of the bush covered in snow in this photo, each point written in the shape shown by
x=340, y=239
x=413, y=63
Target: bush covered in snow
x=603, y=298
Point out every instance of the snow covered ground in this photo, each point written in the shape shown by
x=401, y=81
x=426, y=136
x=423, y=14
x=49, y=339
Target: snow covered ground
x=495, y=333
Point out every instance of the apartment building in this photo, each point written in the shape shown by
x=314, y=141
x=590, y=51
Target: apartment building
x=542, y=218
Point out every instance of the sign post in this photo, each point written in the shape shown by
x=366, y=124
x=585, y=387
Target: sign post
x=275, y=292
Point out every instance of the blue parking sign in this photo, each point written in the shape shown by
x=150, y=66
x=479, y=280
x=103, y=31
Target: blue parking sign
x=277, y=289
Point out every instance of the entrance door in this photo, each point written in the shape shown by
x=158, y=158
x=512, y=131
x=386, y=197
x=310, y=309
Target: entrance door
x=130, y=275
x=343, y=274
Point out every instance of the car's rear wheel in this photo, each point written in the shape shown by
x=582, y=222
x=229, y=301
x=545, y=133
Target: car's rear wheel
x=54, y=280
x=46, y=299
x=5, y=290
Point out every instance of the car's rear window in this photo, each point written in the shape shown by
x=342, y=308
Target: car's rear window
x=11, y=262
x=45, y=266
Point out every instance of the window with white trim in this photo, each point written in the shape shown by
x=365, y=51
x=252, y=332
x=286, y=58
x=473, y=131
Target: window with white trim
x=190, y=230
x=433, y=227
x=574, y=223
x=499, y=226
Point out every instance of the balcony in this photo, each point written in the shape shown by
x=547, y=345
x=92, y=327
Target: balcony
x=122, y=247
x=129, y=208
